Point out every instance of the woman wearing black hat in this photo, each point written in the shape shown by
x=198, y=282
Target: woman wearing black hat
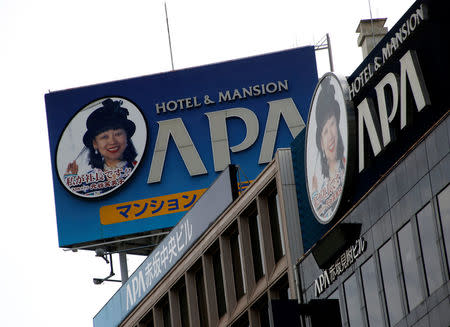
x=111, y=151
x=331, y=150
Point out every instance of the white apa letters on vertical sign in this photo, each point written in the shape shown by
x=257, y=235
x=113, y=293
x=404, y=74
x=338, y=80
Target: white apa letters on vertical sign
x=378, y=126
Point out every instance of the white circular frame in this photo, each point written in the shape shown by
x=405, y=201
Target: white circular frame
x=312, y=155
x=71, y=146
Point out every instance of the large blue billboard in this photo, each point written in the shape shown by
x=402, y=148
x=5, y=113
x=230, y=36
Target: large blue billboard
x=134, y=155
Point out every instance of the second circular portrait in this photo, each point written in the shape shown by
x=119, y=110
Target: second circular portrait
x=326, y=148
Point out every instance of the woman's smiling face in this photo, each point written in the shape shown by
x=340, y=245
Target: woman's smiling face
x=330, y=138
x=111, y=144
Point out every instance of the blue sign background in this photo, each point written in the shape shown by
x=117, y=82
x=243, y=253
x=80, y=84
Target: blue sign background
x=78, y=218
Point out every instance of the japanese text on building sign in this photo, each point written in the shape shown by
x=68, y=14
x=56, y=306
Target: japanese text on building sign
x=146, y=208
x=157, y=264
x=153, y=207
x=344, y=261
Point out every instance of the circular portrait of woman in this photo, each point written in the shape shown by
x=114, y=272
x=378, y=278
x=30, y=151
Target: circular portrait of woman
x=326, y=148
x=101, y=147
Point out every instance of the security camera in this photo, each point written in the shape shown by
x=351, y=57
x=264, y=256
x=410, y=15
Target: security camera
x=99, y=252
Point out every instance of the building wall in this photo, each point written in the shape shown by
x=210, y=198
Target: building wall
x=242, y=262
x=402, y=278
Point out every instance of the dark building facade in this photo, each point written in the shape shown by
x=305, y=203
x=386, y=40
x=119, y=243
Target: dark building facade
x=386, y=258
x=401, y=278
x=242, y=262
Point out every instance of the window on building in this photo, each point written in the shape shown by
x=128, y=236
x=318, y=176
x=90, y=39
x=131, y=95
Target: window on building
x=201, y=296
x=444, y=212
x=255, y=239
x=218, y=280
x=353, y=300
x=164, y=308
x=371, y=293
x=390, y=283
x=281, y=289
x=275, y=225
x=410, y=266
x=261, y=308
x=235, y=246
x=147, y=321
x=242, y=321
x=182, y=298
x=335, y=296
x=430, y=248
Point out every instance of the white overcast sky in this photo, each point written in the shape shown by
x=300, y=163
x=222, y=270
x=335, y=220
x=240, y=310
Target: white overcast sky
x=53, y=45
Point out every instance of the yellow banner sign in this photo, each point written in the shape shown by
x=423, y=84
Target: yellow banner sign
x=153, y=207
x=146, y=208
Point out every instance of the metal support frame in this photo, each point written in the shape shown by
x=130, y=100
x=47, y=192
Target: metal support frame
x=123, y=267
x=98, y=281
x=325, y=43
x=91, y=247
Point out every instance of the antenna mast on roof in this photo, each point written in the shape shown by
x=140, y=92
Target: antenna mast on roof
x=168, y=33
